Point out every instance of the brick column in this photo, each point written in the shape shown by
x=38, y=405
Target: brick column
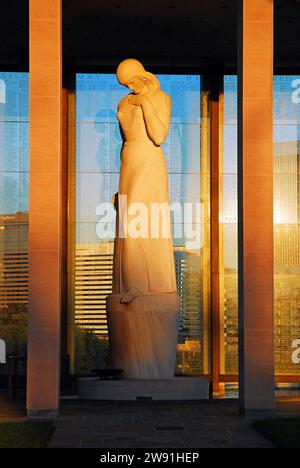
x=255, y=192
x=45, y=209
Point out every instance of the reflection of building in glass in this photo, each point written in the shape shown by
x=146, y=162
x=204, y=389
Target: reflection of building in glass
x=228, y=230
x=93, y=282
x=230, y=322
x=14, y=182
x=287, y=253
x=13, y=259
x=189, y=357
x=286, y=228
x=286, y=267
x=191, y=325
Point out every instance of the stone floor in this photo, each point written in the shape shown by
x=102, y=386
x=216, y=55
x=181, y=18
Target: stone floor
x=155, y=425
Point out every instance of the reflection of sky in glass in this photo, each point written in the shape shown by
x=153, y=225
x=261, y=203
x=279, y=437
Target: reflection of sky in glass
x=286, y=113
x=286, y=141
x=286, y=137
x=98, y=141
x=230, y=125
x=286, y=219
x=228, y=205
x=14, y=138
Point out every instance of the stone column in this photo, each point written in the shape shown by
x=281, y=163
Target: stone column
x=45, y=209
x=255, y=193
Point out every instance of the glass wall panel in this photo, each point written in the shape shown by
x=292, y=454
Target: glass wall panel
x=96, y=175
x=286, y=220
x=228, y=229
x=14, y=181
x=286, y=223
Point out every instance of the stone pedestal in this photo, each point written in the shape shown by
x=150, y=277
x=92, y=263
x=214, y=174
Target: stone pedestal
x=143, y=335
x=178, y=388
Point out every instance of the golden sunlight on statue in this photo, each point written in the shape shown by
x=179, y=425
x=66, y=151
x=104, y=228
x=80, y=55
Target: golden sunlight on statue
x=144, y=306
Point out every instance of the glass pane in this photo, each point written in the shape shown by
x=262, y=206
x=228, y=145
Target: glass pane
x=98, y=147
x=228, y=230
x=9, y=188
x=286, y=223
x=286, y=220
x=91, y=190
x=14, y=211
x=14, y=97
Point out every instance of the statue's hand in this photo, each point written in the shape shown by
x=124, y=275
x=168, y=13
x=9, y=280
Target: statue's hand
x=137, y=99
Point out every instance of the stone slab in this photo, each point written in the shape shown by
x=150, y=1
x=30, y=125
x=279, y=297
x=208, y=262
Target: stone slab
x=179, y=388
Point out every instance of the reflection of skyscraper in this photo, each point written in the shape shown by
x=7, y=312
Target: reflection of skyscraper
x=188, y=286
x=230, y=317
x=13, y=259
x=286, y=267
x=193, y=326
x=93, y=282
x=286, y=254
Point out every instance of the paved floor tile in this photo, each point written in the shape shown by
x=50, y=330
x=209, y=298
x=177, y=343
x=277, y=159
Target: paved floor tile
x=164, y=425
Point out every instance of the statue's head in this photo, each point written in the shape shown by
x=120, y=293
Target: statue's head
x=132, y=74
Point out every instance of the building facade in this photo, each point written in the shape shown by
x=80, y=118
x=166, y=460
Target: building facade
x=232, y=153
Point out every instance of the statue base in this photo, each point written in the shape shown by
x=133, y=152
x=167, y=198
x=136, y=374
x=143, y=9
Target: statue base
x=143, y=335
x=176, y=389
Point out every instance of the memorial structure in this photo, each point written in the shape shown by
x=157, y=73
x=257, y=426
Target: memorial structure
x=59, y=157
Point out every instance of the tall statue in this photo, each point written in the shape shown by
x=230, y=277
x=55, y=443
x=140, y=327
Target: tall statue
x=144, y=307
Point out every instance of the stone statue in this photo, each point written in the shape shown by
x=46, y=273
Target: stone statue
x=144, y=306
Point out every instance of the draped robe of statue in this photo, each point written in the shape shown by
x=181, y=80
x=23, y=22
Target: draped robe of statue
x=143, y=330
